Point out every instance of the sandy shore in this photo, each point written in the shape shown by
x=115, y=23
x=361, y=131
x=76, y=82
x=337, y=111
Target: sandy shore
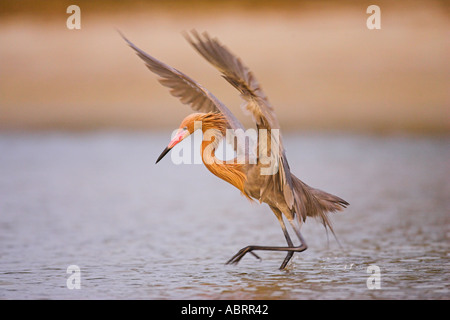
x=321, y=68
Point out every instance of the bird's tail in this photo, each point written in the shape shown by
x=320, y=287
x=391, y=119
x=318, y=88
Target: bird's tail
x=316, y=203
x=327, y=201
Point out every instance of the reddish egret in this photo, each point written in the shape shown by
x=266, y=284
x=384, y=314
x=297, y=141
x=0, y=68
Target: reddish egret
x=287, y=196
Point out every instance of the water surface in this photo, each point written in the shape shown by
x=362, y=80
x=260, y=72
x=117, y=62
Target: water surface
x=144, y=231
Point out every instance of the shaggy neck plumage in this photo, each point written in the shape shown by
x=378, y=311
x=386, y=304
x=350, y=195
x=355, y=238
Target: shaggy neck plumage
x=214, y=130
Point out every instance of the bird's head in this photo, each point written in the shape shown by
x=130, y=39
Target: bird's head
x=194, y=121
x=185, y=130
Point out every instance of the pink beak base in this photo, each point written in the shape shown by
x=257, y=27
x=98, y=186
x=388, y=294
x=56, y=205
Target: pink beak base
x=183, y=133
x=178, y=138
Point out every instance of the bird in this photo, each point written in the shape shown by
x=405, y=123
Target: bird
x=287, y=196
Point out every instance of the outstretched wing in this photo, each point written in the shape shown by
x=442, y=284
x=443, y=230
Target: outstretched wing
x=240, y=76
x=186, y=89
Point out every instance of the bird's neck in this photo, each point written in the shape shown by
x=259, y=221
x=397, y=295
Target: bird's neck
x=233, y=173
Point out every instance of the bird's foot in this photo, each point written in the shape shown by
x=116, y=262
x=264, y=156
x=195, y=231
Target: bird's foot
x=241, y=253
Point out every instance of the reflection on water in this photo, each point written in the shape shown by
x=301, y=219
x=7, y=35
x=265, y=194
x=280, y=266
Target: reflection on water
x=144, y=231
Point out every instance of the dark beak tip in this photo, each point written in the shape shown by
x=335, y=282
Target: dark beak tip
x=166, y=151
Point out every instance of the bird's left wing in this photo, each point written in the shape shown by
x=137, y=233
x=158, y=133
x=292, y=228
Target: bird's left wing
x=186, y=89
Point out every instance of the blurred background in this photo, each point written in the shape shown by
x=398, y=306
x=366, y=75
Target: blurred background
x=365, y=115
x=321, y=67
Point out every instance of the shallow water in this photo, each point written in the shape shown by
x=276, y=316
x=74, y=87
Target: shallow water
x=143, y=231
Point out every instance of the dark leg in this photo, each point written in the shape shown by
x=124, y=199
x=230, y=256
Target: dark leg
x=299, y=235
x=288, y=240
x=238, y=256
x=290, y=249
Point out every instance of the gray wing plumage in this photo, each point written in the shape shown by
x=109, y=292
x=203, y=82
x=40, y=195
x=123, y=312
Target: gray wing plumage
x=186, y=89
x=240, y=76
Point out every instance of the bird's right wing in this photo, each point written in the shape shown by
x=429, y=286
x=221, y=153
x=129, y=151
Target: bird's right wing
x=240, y=77
x=186, y=89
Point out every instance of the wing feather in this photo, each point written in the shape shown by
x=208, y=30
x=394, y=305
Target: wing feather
x=184, y=88
x=256, y=102
x=238, y=75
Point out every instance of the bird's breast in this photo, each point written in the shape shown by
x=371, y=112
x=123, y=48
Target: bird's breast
x=254, y=182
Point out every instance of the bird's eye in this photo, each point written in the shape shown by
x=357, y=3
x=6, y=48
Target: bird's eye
x=185, y=128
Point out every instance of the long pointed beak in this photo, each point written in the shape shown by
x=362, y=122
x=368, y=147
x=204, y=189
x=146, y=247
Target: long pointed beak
x=181, y=134
x=162, y=155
